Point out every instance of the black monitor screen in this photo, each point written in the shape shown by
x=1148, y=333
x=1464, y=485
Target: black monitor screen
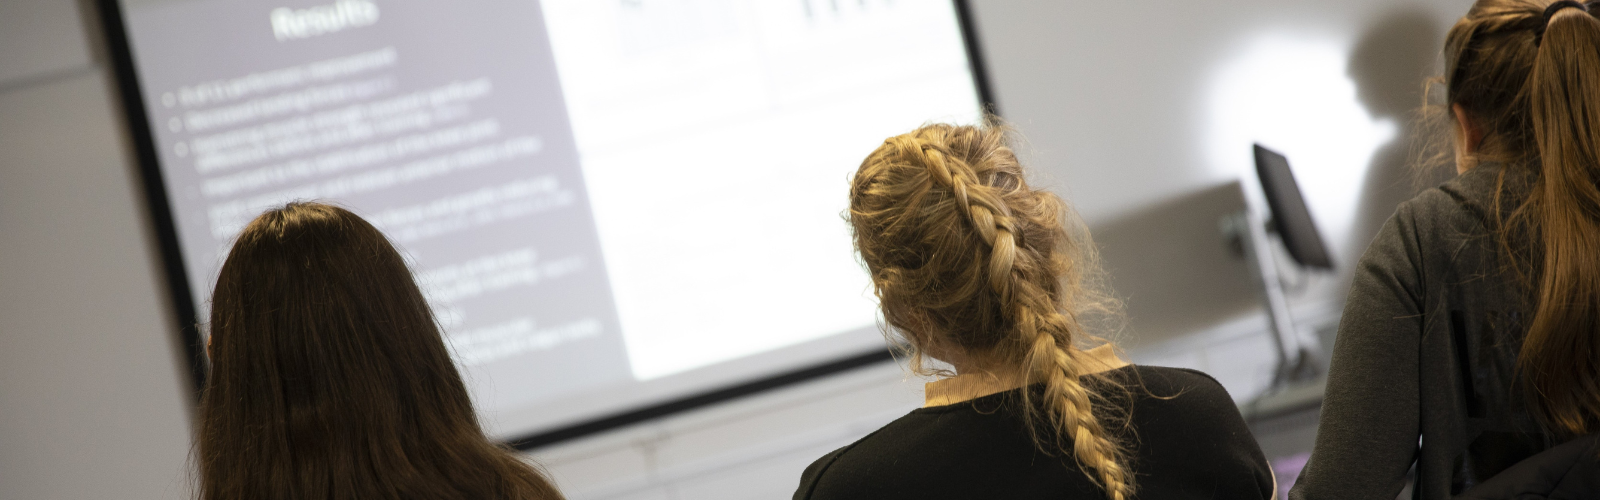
x=1290, y=217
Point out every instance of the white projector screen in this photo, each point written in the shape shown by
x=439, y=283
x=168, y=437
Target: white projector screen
x=611, y=204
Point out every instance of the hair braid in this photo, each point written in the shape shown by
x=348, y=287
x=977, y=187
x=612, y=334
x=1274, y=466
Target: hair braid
x=914, y=204
x=1068, y=405
x=997, y=229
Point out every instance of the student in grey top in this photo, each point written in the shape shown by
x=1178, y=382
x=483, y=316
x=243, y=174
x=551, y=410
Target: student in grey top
x=1471, y=339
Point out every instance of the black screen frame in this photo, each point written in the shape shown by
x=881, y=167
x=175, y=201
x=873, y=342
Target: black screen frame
x=1291, y=218
x=129, y=92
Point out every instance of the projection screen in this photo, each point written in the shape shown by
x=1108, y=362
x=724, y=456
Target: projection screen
x=617, y=208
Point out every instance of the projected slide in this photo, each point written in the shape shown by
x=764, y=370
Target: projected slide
x=609, y=203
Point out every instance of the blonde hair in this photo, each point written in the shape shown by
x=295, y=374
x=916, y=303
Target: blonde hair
x=965, y=256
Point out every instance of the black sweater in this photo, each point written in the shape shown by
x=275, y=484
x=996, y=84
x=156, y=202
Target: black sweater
x=1427, y=348
x=1568, y=471
x=1185, y=438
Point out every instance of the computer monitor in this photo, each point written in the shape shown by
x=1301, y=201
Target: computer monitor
x=1291, y=219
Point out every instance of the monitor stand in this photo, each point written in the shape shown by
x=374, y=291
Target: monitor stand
x=1297, y=354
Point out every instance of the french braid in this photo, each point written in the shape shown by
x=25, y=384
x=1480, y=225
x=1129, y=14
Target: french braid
x=963, y=253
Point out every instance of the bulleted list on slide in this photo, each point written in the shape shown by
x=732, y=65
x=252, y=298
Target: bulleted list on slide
x=458, y=147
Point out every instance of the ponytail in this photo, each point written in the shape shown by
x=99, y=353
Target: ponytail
x=962, y=252
x=1528, y=73
x=1560, y=358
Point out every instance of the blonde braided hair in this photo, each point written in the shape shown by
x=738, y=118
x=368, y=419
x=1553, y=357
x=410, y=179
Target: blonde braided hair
x=965, y=257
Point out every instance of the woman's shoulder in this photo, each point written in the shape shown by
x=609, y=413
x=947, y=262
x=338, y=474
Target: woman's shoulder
x=813, y=473
x=892, y=455
x=1176, y=376
x=1189, y=433
x=1169, y=384
x=1448, y=232
x=1469, y=197
x=1186, y=400
x=1158, y=390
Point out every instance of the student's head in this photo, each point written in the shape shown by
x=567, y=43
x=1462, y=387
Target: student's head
x=329, y=378
x=974, y=267
x=1523, y=80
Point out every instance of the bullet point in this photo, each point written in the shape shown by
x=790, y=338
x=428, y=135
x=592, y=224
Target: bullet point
x=181, y=149
x=174, y=124
x=169, y=100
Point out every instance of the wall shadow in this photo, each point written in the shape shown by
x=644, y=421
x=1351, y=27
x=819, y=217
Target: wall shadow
x=1173, y=267
x=1389, y=64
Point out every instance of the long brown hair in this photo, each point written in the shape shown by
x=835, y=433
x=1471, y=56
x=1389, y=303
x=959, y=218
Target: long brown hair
x=964, y=255
x=1534, y=90
x=329, y=379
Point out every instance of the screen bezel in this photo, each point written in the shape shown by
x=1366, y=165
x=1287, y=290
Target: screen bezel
x=1290, y=216
x=182, y=295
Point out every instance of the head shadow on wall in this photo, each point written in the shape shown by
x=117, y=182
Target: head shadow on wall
x=1390, y=64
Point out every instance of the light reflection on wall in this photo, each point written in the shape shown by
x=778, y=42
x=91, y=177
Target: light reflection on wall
x=1292, y=93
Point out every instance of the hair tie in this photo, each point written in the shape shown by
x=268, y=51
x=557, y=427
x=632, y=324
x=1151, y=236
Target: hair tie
x=1550, y=12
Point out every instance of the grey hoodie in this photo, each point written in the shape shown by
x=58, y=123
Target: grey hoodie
x=1422, y=368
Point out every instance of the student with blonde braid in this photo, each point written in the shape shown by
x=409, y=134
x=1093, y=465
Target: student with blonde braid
x=975, y=269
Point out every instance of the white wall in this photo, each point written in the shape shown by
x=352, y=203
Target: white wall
x=91, y=399
x=1118, y=100
x=1133, y=110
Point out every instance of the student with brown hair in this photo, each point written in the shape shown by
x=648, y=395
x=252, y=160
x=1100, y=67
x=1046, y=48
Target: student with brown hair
x=1471, y=339
x=975, y=268
x=329, y=379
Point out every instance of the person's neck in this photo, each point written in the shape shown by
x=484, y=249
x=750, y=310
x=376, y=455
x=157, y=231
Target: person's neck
x=972, y=382
x=1101, y=359
x=1096, y=360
